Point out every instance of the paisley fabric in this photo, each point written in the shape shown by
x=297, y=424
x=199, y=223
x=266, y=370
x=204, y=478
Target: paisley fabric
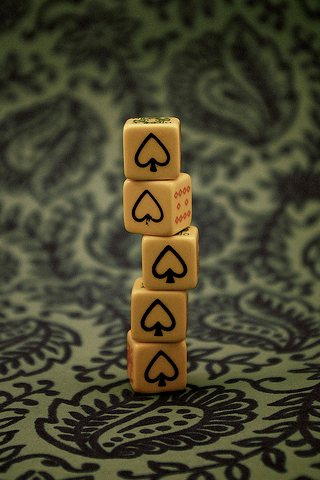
x=243, y=77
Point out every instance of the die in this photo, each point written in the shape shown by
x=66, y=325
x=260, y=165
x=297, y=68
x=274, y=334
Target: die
x=156, y=367
x=152, y=148
x=160, y=208
x=158, y=315
x=171, y=263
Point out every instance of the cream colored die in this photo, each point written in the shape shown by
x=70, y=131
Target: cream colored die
x=156, y=367
x=157, y=208
x=158, y=315
x=152, y=148
x=171, y=263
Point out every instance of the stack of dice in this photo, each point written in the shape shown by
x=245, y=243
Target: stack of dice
x=157, y=203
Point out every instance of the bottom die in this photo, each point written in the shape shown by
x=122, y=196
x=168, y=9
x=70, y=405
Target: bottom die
x=156, y=367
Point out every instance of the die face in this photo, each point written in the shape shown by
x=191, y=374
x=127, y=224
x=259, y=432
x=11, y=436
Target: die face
x=171, y=263
x=156, y=367
x=160, y=208
x=157, y=315
x=152, y=148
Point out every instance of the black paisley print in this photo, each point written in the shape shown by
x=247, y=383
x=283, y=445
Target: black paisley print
x=243, y=78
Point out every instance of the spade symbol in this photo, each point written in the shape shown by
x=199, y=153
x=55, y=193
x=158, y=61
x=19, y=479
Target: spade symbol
x=170, y=372
x=145, y=204
x=142, y=156
x=158, y=327
x=169, y=272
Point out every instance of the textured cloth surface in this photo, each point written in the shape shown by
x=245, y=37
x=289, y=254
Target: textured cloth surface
x=243, y=76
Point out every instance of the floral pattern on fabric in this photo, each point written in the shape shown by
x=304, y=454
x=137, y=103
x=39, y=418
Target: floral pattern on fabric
x=243, y=77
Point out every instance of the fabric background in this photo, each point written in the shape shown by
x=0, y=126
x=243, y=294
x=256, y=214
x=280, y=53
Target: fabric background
x=243, y=76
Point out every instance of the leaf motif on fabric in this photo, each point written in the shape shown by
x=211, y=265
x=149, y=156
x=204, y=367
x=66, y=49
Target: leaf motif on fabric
x=30, y=346
x=258, y=317
x=311, y=256
x=50, y=147
x=237, y=83
x=94, y=424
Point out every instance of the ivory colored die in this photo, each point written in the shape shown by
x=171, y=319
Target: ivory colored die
x=171, y=263
x=152, y=148
x=157, y=208
x=158, y=315
x=156, y=367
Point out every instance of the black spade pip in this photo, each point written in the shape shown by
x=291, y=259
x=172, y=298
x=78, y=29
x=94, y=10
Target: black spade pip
x=158, y=371
x=160, y=158
x=158, y=327
x=147, y=208
x=171, y=257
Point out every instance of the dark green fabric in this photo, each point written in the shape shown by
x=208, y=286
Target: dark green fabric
x=243, y=76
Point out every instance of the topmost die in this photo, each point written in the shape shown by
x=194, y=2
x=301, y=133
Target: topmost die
x=152, y=148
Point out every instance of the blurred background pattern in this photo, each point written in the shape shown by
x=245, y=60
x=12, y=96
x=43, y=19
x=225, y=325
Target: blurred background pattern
x=243, y=76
